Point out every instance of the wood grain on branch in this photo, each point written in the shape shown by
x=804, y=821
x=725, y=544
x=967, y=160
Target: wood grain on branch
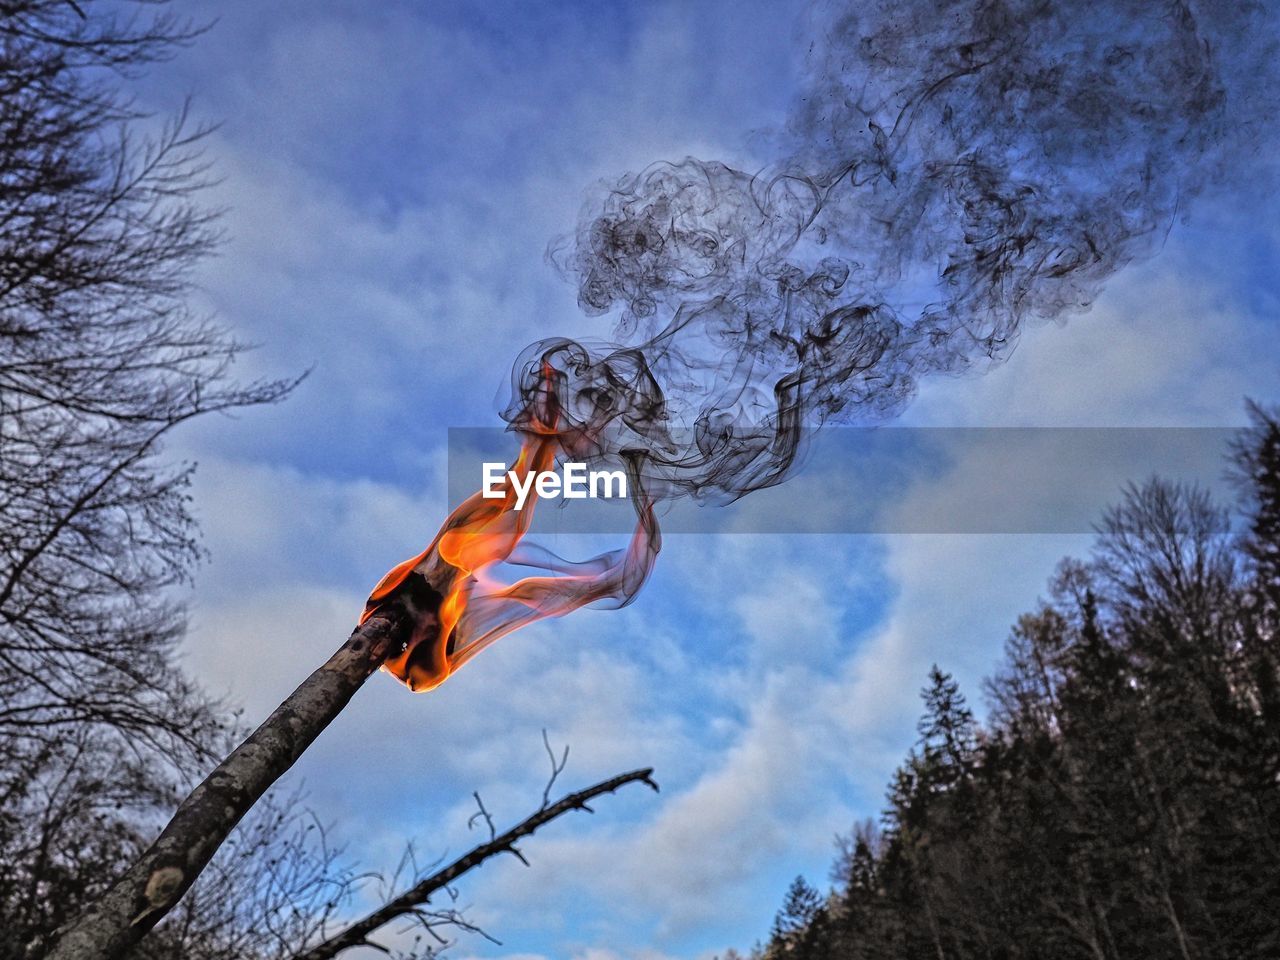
x=153, y=885
x=357, y=934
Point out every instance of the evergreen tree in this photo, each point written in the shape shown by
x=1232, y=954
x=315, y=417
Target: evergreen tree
x=796, y=924
x=1122, y=798
x=946, y=729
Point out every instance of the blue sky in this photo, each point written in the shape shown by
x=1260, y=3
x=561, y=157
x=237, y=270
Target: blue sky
x=392, y=173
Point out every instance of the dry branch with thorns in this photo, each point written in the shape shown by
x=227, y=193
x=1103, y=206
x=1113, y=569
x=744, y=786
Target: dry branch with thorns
x=411, y=902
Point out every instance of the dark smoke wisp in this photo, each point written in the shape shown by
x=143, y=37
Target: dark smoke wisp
x=949, y=172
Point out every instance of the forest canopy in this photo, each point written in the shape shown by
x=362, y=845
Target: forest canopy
x=1122, y=796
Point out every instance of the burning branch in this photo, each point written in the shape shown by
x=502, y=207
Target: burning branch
x=417, y=896
x=425, y=618
x=473, y=607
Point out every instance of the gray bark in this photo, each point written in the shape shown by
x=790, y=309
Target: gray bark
x=153, y=885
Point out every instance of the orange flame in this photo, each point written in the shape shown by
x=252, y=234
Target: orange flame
x=476, y=610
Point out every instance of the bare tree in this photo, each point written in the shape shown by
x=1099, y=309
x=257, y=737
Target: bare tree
x=72, y=808
x=279, y=881
x=100, y=359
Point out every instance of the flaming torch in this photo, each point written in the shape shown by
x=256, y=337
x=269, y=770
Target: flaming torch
x=457, y=607
x=425, y=618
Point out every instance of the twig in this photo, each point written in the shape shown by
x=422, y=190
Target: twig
x=556, y=767
x=420, y=893
x=480, y=814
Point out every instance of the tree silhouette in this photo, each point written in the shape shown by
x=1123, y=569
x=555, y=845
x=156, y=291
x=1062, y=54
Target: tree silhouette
x=1121, y=797
x=101, y=357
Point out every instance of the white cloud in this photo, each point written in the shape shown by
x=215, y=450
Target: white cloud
x=1172, y=342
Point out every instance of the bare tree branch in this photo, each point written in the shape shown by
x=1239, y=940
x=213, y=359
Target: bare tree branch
x=482, y=814
x=158, y=879
x=557, y=767
x=413, y=899
x=102, y=357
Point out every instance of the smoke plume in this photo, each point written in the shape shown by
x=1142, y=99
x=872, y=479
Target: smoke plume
x=950, y=171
